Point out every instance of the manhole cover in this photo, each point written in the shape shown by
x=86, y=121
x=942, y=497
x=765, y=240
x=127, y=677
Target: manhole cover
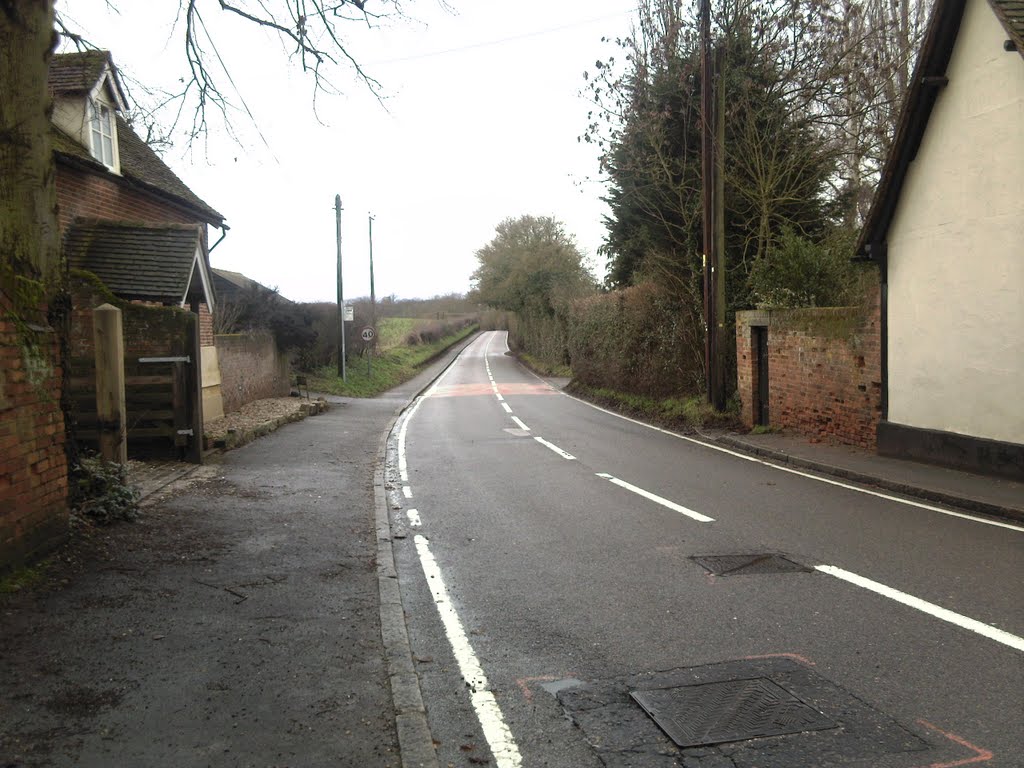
x=743, y=565
x=734, y=710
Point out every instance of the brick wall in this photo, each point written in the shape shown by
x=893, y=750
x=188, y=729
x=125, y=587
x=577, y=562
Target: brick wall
x=824, y=370
x=33, y=466
x=205, y=326
x=85, y=194
x=251, y=368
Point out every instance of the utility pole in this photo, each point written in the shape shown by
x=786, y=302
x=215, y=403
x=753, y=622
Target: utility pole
x=373, y=303
x=718, y=240
x=341, y=294
x=707, y=163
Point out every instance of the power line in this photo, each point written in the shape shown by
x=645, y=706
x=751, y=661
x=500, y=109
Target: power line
x=501, y=41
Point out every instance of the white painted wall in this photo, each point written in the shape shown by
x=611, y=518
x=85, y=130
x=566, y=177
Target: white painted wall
x=956, y=250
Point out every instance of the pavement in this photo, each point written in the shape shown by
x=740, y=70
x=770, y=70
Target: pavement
x=995, y=496
x=253, y=617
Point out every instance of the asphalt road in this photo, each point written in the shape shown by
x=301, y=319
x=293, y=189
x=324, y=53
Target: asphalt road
x=545, y=553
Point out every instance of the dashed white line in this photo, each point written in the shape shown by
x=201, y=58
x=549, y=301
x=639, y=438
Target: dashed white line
x=808, y=475
x=414, y=517
x=555, y=448
x=497, y=733
x=407, y=491
x=519, y=422
x=658, y=499
x=507, y=407
x=964, y=622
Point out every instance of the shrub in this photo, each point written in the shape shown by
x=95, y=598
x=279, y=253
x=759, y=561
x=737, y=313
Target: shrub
x=800, y=273
x=100, y=490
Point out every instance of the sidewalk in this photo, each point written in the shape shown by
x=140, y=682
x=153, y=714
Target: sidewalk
x=237, y=622
x=978, y=493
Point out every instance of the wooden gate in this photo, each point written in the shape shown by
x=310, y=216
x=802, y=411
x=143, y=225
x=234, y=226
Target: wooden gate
x=163, y=394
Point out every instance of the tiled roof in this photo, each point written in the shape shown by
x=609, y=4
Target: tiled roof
x=141, y=163
x=76, y=72
x=136, y=261
x=1011, y=14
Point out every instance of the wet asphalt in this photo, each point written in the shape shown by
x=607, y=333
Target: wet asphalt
x=236, y=623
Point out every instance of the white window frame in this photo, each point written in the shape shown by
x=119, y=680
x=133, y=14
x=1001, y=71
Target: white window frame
x=101, y=132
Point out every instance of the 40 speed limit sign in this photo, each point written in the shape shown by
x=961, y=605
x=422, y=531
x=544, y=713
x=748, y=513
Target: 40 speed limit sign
x=368, y=333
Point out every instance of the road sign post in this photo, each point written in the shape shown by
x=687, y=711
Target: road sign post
x=368, y=334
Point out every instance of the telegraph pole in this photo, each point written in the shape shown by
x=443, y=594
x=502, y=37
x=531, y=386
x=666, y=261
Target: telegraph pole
x=707, y=154
x=341, y=294
x=718, y=241
x=373, y=302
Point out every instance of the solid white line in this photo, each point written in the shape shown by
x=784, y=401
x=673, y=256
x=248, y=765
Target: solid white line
x=414, y=517
x=507, y=407
x=818, y=478
x=519, y=421
x=986, y=630
x=407, y=491
x=497, y=733
x=658, y=499
x=555, y=448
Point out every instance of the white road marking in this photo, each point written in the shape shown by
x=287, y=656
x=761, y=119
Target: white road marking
x=519, y=421
x=407, y=491
x=498, y=395
x=507, y=407
x=973, y=625
x=555, y=448
x=414, y=517
x=497, y=733
x=658, y=499
x=808, y=475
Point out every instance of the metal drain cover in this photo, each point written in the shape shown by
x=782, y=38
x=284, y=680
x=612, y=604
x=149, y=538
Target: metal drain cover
x=748, y=564
x=734, y=710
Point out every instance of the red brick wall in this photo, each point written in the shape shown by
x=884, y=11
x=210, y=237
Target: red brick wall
x=251, y=368
x=824, y=370
x=205, y=326
x=82, y=194
x=33, y=467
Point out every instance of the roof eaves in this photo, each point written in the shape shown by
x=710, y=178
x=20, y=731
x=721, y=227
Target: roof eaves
x=925, y=85
x=1011, y=15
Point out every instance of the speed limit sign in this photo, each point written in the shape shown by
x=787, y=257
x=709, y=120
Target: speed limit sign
x=368, y=333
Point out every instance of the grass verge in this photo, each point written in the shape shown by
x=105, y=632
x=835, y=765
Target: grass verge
x=542, y=368
x=684, y=413
x=389, y=368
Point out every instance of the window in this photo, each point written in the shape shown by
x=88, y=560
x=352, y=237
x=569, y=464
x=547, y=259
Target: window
x=103, y=133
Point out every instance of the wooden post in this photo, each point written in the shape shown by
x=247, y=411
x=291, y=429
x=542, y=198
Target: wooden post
x=108, y=336
x=718, y=239
x=194, y=385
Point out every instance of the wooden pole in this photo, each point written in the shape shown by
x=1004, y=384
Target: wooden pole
x=719, y=235
x=108, y=338
x=707, y=185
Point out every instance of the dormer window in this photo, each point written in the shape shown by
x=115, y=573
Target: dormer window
x=102, y=133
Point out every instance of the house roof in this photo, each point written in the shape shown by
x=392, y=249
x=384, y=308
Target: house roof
x=1011, y=14
x=140, y=165
x=78, y=72
x=228, y=284
x=137, y=261
x=926, y=84
x=236, y=279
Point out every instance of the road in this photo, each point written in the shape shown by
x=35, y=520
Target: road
x=545, y=554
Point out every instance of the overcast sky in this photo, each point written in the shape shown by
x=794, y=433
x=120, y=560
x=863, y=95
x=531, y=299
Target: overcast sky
x=481, y=118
